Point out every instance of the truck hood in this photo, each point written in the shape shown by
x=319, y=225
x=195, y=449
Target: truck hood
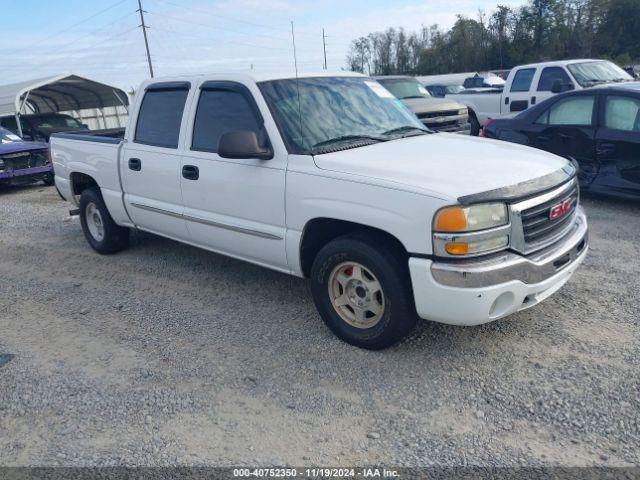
x=20, y=146
x=428, y=105
x=449, y=166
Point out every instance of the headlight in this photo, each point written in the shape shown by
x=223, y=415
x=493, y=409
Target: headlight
x=472, y=218
x=471, y=231
x=463, y=111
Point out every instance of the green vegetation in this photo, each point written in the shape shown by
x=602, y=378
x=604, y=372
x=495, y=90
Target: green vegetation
x=541, y=30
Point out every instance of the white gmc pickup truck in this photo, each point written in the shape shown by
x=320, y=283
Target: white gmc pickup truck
x=331, y=178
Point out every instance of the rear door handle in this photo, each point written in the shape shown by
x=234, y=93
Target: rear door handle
x=135, y=164
x=605, y=148
x=544, y=138
x=564, y=136
x=190, y=172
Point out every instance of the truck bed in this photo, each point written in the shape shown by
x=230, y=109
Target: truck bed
x=109, y=135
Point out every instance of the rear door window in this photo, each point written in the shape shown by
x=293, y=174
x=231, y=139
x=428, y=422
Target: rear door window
x=622, y=113
x=549, y=75
x=220, y=112
x=570, y=111
x=160, y=117
x=522, y=80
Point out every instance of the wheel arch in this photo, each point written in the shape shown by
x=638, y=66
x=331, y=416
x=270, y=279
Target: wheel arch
x=319, y=231
x=80, y=182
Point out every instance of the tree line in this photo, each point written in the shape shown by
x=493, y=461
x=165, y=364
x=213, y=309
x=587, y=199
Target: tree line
x=538, y=31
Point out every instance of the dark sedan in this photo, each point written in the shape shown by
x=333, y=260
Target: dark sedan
x=23, y=162
x=599, y=128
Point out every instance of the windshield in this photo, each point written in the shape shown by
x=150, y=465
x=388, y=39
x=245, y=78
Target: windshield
x=8, y=137
x=404, y=87
x=454, y=88
x=336, y=110
x=56, y=121
x=588, y=74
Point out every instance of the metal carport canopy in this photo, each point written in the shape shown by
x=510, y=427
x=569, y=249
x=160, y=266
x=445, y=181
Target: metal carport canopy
x=60, y=93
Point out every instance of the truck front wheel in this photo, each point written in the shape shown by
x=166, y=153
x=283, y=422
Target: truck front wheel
x=362, y=291
x=99, y=229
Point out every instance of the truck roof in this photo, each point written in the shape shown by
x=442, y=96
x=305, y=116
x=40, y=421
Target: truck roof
x=559, y=63
x=251, y=76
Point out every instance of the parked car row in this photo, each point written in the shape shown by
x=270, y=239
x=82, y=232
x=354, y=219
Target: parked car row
x=528, y=85
x=599, y=128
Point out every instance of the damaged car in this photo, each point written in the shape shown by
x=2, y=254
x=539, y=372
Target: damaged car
x=23, y=162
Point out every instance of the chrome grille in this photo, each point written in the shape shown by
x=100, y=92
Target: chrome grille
x=534, y=227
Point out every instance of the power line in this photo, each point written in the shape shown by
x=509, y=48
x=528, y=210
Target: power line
x=29, y=47
x=184, y=20
x=224, y=17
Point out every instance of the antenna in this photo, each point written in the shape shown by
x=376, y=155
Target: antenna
x=324, y=47
x=144, y=32
x=295, y=63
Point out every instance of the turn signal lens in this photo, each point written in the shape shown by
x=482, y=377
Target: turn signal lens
x=457, y=248
x=479, y=246
x=451, y=219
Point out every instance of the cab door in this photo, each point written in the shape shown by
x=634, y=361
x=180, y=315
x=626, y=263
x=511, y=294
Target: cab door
x=150, y=161
x=519, y=96
x=567, y=128
x=233, y=205
x=618, y=145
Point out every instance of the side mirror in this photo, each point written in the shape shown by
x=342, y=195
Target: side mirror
x=559, y=86
x=242, y=144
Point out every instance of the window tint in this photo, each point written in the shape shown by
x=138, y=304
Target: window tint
x=220, y=112
x=570, y=111
x=160, y=117
x=522, y=80
x=622, y=113
x=550, y=75
x=10, y=124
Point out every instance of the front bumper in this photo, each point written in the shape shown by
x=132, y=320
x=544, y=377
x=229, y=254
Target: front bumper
x=25, y=173
x=473, y=292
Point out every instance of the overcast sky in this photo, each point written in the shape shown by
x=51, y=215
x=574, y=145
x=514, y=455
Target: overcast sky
x=100, y=38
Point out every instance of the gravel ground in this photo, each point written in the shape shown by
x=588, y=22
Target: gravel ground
x=165, y=354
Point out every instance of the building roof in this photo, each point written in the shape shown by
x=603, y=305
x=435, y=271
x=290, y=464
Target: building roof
x=59, y=93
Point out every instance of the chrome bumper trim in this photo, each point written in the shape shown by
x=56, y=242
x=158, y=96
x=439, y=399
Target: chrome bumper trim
x=507, y=266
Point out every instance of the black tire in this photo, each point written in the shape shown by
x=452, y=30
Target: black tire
x=48, y=180
x=114, y=238
x=391, y=270
x=475, y=125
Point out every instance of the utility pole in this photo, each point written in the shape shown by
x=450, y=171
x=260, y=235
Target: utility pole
x=144, y=32
x=324, y=47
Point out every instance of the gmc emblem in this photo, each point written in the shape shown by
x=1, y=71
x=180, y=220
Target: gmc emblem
x=560, y=210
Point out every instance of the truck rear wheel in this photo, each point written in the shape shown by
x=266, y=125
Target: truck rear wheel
x=99, y=229
x=362, y=291
x=475, y=124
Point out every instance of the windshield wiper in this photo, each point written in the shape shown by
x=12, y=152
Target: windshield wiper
x=412, y=96
x=405, y=128
x=345, y=138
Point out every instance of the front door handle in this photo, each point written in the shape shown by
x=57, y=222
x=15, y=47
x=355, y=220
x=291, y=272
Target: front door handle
x=564, y=137
x=135, y=164
x=605, y=148
x=191, y=172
